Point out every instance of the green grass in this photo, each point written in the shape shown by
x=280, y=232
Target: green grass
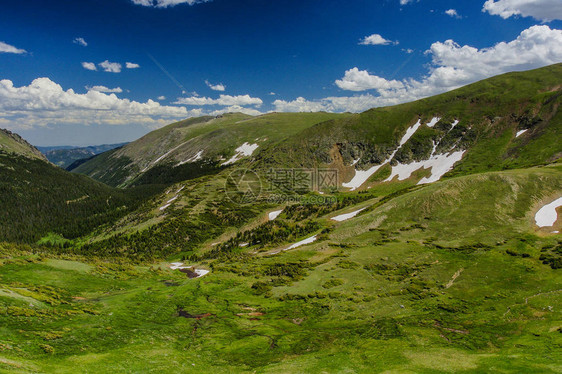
x=377, y=293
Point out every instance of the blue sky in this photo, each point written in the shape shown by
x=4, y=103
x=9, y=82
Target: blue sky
x=260, y=55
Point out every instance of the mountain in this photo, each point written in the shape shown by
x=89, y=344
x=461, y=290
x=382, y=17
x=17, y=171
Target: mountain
x=15, y=144
x=40, y=200
x=509, y=121
x=195, y=147
x=438, y=250
x=64, y=156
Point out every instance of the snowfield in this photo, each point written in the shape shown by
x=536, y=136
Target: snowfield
x=180, y=266
x=197, y=157
x=521, y=132
x=361, y=176
x=547, y=215
x=310, y=240
x=275, y=214
x=244, y=150
x=345, y=217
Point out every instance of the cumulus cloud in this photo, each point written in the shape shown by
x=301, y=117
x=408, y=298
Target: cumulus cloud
x=104, y=89
x=223, y=100
x=453, y=13
x=215, y=87
x=89, y=66
x=131, y=65
x=161, y=98
x=6, y=48
x=361, y=80
x=110, y=67
x=45, y=103
x=80, y=41
x=544, y=10
x=376, y=39
x=236, y=109
x=329, y=104
x=167, y=3
x=452, y=66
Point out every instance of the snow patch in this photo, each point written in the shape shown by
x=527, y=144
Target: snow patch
x=355, y=162
x=180, y=266
x=439, y=165
x=275, y=214
x=197, y=157
x=244, y=150
x=521, y=132
x=547, y=215
x=433, y=121
x=345, y=217
x=312, y=239
x=361, y=176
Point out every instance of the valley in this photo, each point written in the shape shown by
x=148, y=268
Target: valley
x=213, y=244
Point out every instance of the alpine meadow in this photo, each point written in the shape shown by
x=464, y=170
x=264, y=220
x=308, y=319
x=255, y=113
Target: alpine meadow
x=217, y=189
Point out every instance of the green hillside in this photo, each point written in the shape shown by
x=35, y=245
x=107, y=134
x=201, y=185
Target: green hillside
x=194, y=147
x=490, y=114
x=13, y=143
x=37, y=199
x=213, y=272
x=434, y=280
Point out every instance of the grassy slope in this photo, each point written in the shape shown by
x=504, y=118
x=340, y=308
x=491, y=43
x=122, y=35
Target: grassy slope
x=379, y=293
x=216, y=137
x=37, y=198
x=13, y=143
x=490, y=113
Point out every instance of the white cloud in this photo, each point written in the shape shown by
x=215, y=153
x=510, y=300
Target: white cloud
x=376, y=39
x=453, y=66
x=104, y=89
x=131, y=65
x=45, y=103
x=453, y=13
x=236, y=109
x=361, y=80
x=408, y=50
x=110, y=67
x=215, y=87
x=404, y=2
x=167, y=3
x=80, y=41
x=89, y=66
x=224, y=100
x=272, y=93
x=6, y=48
x=544, y=10
x=161, y=98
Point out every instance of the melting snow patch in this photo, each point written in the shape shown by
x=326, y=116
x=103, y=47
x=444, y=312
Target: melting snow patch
x=345, y=217
x=547, y=216
x=165, y=206
x=245, y=149
x=355, y=162
x=361, y=176
x=439, y=164
x=312, y=239
x=275, y=214
x=180, y=266
x=197, y=157
x=520, y=132
x=433, y=121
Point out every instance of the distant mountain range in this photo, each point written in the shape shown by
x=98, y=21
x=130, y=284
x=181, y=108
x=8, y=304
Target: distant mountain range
x=64, y=156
